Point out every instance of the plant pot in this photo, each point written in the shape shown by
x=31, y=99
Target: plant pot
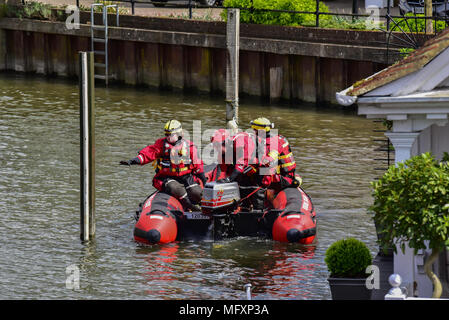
x=349, y=289
x=385, y=265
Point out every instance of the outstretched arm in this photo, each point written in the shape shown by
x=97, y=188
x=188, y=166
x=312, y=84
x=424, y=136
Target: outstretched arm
x=147, y=154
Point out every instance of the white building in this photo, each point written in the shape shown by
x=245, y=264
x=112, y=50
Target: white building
x=414, y=94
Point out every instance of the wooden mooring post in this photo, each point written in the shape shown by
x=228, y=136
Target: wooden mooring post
x=87, y=144
x=232, y=67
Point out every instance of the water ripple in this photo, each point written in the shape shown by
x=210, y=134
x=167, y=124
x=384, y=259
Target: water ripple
x=39, y=204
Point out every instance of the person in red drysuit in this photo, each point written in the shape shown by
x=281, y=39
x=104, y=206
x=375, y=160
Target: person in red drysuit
x=237, y=162
x=176, y=164
x=221, y=141
x=278, y=157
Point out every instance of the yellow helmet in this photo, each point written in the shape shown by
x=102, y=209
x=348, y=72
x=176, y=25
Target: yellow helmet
x=262, y=124
x=172, y=126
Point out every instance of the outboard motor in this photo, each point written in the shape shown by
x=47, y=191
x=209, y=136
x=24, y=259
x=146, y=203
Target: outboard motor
x=220, y=200
x=220, y=197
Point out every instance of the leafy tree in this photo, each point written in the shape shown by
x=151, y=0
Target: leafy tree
x=411, y=206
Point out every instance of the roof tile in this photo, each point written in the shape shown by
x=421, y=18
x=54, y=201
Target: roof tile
x=413, y=62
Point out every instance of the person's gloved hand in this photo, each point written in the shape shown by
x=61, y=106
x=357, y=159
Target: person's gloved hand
x=225, y=180
x=130, y=162
x=266, y=181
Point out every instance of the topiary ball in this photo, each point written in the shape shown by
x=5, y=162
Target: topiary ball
x=348, y=258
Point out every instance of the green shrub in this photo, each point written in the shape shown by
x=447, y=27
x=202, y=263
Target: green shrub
x=31, y=10
x=258, y=16
x=416, y=24
x=404, y=52
x=121, y=10
x=3, y=10
x=348, y=258
x=445, y=157
x=411, y=204
x=339, y=22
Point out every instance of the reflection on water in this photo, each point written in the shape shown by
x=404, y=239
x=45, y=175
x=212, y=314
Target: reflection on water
x=273, y=269
x=39, y=198
x=208, y=270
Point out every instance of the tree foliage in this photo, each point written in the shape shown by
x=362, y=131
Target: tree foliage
x=259, y=16
x=415, y=23
x=30, y=10
x=411, y=204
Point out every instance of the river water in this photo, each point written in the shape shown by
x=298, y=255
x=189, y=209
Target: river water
x=39, y=198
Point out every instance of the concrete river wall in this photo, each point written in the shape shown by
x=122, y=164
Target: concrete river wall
x=305, y=64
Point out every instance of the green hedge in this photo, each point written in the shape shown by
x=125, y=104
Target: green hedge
x=415, y=24
x=258, y=16
x=277, y=18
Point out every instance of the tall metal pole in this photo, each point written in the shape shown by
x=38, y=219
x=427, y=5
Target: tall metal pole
x=87, y=144
x=2, y=49
x=355, y=9
x=190, y=9
x=232, y=67
x=428, y=12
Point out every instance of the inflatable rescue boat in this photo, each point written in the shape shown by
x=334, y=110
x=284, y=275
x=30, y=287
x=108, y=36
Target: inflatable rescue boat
x=289, y=216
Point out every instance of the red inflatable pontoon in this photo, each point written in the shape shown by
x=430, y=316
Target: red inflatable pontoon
x=289, y=216
x=157, y=221
x=297, y=220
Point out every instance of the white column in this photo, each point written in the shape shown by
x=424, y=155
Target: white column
x=402, y=142
x=404, y=263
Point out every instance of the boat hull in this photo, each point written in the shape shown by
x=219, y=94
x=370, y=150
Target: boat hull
x=288, y=217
